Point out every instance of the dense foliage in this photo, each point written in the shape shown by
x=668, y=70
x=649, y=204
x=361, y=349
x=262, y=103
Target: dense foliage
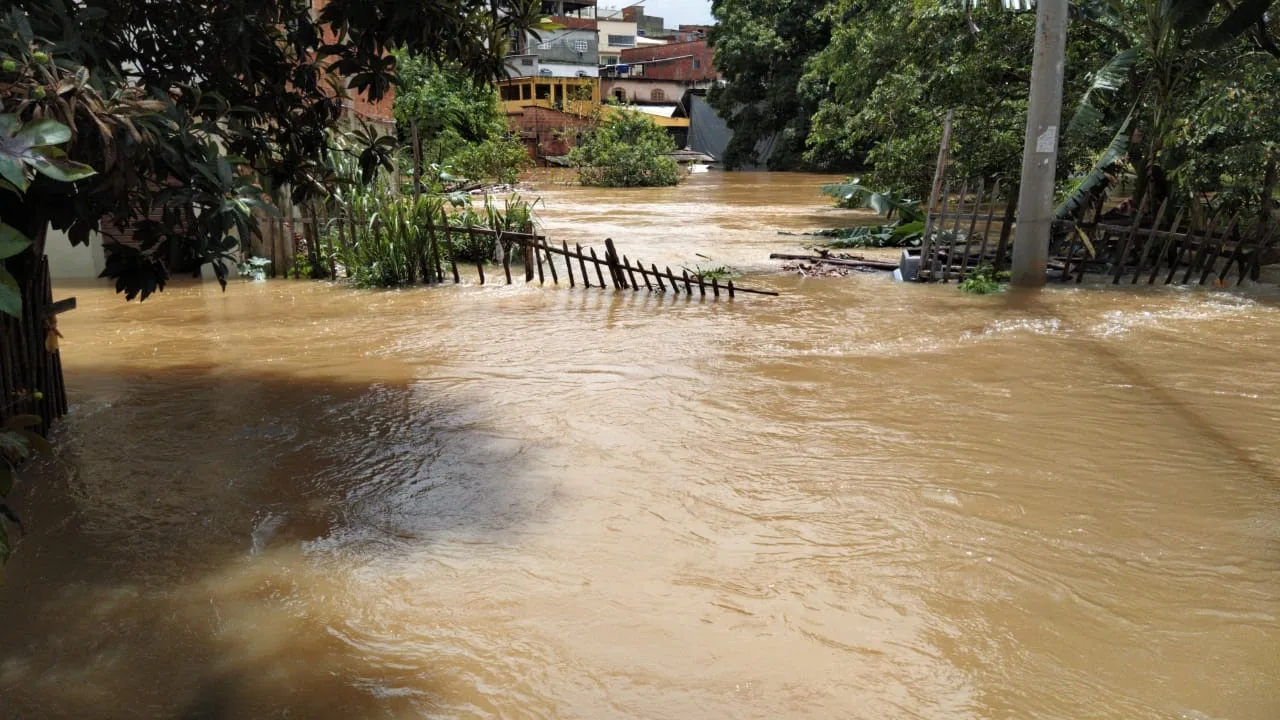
x=626, y=150
x=1174, y=92
x=210, y=102
x=460, y=122
x=763, y=49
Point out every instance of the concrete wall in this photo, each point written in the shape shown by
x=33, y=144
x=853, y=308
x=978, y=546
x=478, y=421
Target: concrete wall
x=641, y=91
x=67, y=262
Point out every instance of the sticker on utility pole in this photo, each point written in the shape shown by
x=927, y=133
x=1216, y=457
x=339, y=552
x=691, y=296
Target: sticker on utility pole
x=1048, y=140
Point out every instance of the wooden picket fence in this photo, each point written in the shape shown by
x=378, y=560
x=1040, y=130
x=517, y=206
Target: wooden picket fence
x=974, y=227
x=611, y=271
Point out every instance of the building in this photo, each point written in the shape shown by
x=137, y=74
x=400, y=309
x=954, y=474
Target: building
x=660, y=74
x=573, y=51
x=646, y=25
x=615, y=34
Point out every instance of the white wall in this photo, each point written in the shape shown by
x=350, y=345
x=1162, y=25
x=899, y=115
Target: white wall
x=614, y=27
x=567, y=70
x=68, y=262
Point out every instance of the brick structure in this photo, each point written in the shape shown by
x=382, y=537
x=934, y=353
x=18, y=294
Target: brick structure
x=686, y=62
x=357, y=105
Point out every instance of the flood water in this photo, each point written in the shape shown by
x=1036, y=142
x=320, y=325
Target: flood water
x=857, y=500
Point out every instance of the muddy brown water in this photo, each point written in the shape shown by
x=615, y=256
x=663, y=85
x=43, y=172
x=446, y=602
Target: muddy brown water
x=858, y=500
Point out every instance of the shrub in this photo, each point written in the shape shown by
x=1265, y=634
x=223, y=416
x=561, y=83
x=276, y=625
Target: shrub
x=626, y=151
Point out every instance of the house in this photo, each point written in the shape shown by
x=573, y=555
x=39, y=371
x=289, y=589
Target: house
x=572, y=51
x=660, y=74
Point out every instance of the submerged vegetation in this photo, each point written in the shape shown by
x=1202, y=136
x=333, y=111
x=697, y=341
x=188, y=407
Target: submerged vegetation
x=627, y=150
x=905, y=229
x=985, y=280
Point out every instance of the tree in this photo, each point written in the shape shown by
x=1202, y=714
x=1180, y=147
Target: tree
x=189, y=108
x=460, y=121
x=1171, y=51
x=628, y=150
x=763, y=47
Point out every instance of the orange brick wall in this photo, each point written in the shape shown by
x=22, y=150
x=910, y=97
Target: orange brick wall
x=358, y=104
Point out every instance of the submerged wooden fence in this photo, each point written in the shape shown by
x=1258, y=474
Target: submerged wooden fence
x=611, y=271
x=973, y=227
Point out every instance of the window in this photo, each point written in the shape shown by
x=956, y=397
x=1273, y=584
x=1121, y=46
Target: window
x=620, y=95
x=622, y=41
x=526, y=92
x=581, y=46
x=527, y=62
x=657, y=95
x=610, y=60
x=543, y=91
x=637, y=70
x=544, y=45
x=510, y=92
x=697, y=63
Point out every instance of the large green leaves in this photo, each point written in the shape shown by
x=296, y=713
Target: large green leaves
x=1106, y=80
x=35, y=146
x=1100, y=176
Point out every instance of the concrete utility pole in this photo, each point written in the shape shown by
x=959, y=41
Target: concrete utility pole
x=1040, y=156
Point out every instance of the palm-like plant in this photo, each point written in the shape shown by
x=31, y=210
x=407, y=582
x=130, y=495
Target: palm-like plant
x=1165, y=45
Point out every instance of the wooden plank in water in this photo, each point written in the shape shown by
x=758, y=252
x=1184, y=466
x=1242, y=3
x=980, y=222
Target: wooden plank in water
x=1002, y=248
x=1255, y=258
x=1187, y=243
x=1163, y=254
x=688, y=286
x=1236, y=255
x=973, y=226
x=1219, y=250
x=936, y=195
x=932, y=260
x=60, y=307
x=599, y=273
x=480, y=269
x=551, y=263
x=731, y=289
x=582, y=264
x=1151, y=239
x=658, y=276
x=615, y=272
x=644, y=276
x=955, y=232
x=715, y=286
x=991, y=214
x=537, y=259
x=1206, y=258
x=568, y=263
x=702, y=285
x=506, y=259
x=1122, y=250
x=626, y=263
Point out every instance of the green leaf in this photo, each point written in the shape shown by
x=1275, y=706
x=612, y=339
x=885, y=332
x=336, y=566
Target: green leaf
x=10, y=295
x=12, y=242
x=7, y=478
x=1078, y=198
x=1108, y=79
x=9, y=124
x=43, y=132
x=1186, y=14
x=13, y=447
x=1245, y=15
x=61, y=169
x=13, y=172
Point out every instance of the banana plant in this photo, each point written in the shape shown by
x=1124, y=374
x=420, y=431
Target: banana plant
x=27, y=151
x=1164, y=42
